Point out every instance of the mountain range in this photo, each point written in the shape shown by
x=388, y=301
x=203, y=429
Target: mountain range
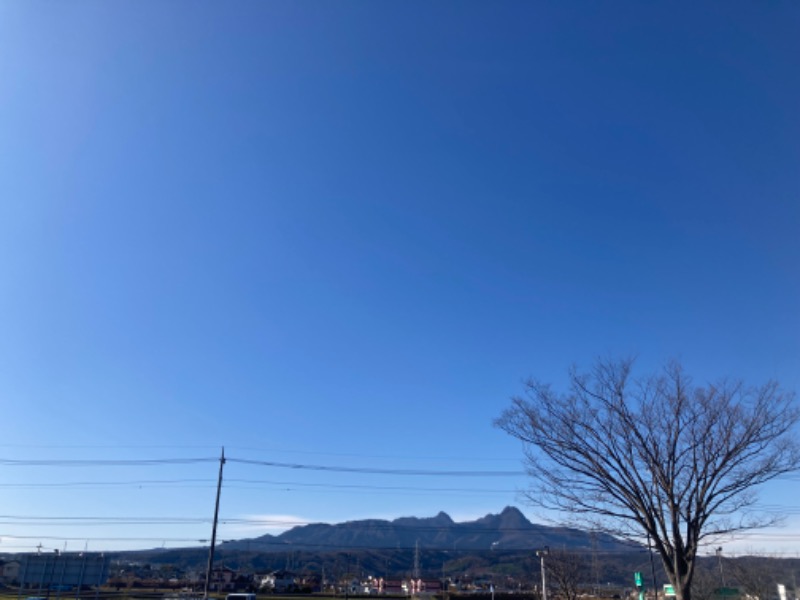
x=497, y=544
x=509, y=530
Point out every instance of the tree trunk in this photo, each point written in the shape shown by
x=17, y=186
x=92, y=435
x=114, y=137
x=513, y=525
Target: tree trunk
x=680, y=572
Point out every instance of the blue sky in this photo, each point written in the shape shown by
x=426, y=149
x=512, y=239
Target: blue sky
x=342, y=234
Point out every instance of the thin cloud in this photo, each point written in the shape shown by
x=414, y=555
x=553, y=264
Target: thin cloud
x=261, y=524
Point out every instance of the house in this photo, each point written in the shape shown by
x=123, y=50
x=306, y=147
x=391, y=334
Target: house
x=392, y=587
x=310, y=583
x=222, y=579
x=415, y=587
x=279, y=581
x=9, y=571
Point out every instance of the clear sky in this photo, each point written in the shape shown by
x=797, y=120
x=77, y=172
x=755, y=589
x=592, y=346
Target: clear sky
x=343, y=233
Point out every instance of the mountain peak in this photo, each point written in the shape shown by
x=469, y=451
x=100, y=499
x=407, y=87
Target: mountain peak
x=443, y=518
x=512, y=518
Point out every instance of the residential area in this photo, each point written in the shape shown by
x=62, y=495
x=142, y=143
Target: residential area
x=86, y=576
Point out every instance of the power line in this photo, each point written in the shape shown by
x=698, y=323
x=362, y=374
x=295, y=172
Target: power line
x=133, y=482
x=103, y=539
x=283, y=465
x=326, y=452
x=254, y=544
x=376, y=471
x=197, y=482
x=103, y=462
x=379, y=456
x=370, y=525
x=256, y=482
x=15, y=519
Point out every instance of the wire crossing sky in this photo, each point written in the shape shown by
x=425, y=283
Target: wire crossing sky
x=342, y=234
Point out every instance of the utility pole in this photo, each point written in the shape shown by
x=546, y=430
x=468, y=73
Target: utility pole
x=719, y=560
x=416, y=561
x=595, y=569
x=541, y=554
x=652, y=567
x=214, y=528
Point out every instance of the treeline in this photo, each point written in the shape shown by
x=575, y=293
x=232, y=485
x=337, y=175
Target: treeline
x=593, y=569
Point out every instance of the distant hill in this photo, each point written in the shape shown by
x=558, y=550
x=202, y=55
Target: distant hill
x=496, y=543
x=509, y=530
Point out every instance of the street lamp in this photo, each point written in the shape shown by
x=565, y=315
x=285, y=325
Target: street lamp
x=719, y=559
x=541, y=554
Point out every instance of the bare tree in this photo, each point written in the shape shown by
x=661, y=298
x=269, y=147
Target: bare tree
x=754, y=576
x=567, y=570
x=706, y=581
x=658, y=456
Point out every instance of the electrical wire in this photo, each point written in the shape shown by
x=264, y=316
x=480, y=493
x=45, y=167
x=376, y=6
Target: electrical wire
x=376, y=471
x=233, y=521
x=103, y=462
x=134, y=482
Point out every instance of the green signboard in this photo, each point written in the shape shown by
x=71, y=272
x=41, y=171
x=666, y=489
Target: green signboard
x=669, y=590
x=727, y=592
